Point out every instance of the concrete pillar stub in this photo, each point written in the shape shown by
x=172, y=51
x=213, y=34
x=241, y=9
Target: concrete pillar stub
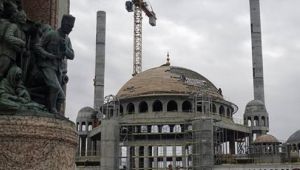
x=110, y=135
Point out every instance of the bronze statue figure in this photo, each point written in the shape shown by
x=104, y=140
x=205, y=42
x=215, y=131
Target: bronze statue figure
x=32, y=60
x=12, y=42
x=13, y=94
x=57, y=47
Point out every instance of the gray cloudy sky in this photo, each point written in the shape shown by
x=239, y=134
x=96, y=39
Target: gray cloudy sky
x=211, y=37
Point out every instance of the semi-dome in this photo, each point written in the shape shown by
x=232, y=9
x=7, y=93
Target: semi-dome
x=294, y=138
x=266, y=139
x=85, y=112
x=168, y=80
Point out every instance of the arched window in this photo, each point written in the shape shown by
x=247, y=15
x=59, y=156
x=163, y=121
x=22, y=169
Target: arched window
x=186, y=106
x=190, y=127
x=214, y=109
x=172, y=106
x=143, y=107
x=222, y=111
x=144, y=129
x=154, y=129
x=157, y=106
x=199, y=107
x=177, y=128
x=121, y=109
x=165, y=129
x=255, y=121
x=228, y=112
x=249, y=121
x=130, y=108
x=83, y=126
x=90, y=127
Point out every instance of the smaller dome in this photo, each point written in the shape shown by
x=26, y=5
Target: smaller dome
x=294, y=138
x=266, y=139
x=255, y=103
x=86, y=113
x=255, y=107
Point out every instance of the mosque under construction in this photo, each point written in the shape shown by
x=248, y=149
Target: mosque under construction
x=174, y=118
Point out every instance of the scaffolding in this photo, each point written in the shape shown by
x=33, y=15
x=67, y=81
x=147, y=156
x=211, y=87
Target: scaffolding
x=150, y=147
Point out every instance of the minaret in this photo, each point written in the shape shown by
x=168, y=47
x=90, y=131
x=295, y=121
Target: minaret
x=257, y=61
x=256, y=115
x=100, y=61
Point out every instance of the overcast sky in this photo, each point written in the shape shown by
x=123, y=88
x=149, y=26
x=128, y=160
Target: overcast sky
x=211, y=37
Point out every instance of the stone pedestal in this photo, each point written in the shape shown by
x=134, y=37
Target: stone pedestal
x=39, y=141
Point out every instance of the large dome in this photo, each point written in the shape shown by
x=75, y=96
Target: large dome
x=294, y=138
x=168, y=80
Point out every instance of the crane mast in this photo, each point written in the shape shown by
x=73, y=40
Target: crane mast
x=138, y=7
x=137, y=41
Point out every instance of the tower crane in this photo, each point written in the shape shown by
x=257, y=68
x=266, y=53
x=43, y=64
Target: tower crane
x=139, y=6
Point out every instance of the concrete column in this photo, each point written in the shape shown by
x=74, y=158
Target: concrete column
x=136, y=107
x=179, y=106
x=203, y=158
x=150, y=109
x=155, y=156
x=98, y=148
x=183, y=157
x=128, y=158
x=100, y=60
x=86, y=146
x=165, y=156
x=80, y=143
x=110, y=139
x=232, y=146
x=174, y=156
x=259, y=121
x=164, y=105
x=136, y=159
x=86, y=126
x=89, y=147
x=146, y=157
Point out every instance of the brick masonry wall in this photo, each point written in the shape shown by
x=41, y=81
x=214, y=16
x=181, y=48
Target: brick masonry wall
x=46, y=11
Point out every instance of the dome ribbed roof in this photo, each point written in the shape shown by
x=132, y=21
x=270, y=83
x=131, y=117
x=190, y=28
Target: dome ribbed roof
x=166, y=80
x=85, y=112
x=294, y=138
x=255, y=103
x=255, y=106
x=266, y=139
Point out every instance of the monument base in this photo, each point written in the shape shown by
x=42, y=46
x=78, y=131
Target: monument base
x=34, y=140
